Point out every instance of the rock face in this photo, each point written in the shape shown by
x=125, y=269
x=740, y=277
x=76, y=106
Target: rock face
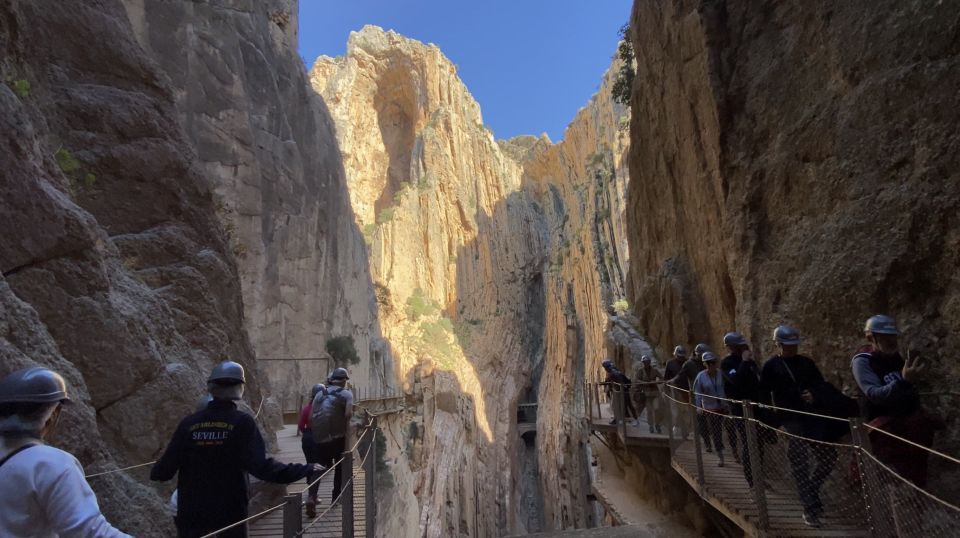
x=115, y=269
x=495, y=264
x=796, y=163
x=170, y=184
x=266, y=141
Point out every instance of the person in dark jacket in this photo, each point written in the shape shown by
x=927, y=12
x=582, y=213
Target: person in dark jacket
x=210, y=451
x=791, y=378
x=741, y=381
x=617, y=381
x=331, y=413
x=677, y=419
x=892, y=401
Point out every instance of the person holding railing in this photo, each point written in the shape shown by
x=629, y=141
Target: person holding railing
x=673, y=380
x=647, y=393
x=740, y=382
x=43, y=492
x=792, y=379
x=709, y=383
x=210, y=452
x=618, y=382
x=330, y=417
x=892, y=400
x=310, y=452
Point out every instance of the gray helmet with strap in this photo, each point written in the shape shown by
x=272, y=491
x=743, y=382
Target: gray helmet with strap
x=881, y=324
x=315, y=390
x=227, y=372
x=708, y=356
x=33, y=385
x=338, y=374
x=701, y=349
x=734, y=338
x=786, y=335
x=679, y=352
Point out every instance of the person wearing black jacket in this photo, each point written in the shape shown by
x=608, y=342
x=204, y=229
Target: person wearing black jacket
x=210, y=451
x=741, y=377
x=616, y=382
x=792, y=380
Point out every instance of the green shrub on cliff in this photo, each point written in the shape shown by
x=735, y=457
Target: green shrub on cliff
x=623, y=85
x=620, y=306
x=342, y=350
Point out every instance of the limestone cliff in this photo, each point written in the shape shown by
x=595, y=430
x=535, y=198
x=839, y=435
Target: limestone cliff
x=115, y=269
x=496, y=264
x=266, y=141
x=796, y=162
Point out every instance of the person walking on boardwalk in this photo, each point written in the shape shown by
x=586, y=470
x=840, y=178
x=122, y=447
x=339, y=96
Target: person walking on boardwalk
x=707, y=388
x=43, y=492
x=618, y=382
x=310, y=452
x=671, y=374
x=330, y=417
x=741, y=381
x=792, y=380
x=209, y=453
x=648, y=393
x=892, y=400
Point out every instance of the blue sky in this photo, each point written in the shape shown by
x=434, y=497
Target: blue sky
x=529, y=63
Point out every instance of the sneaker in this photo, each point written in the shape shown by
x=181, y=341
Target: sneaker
x=651, y=429
x=659, y=430
x=721, y=459
x=311, y=507
x=710, y=449
x=811, y=520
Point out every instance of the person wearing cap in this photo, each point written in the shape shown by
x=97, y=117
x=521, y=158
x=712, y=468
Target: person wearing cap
x=892, y=401
x=210, y=452
x=310, y=452
x=673, y=380
x=647, y=392
x=790, y=379
x=331, y=412
x=708, y=391
x=43, y=491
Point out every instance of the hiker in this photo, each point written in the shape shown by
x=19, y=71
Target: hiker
x=310, y=452
x=892, y=401
x=616, y=382
x=792, y=378
x=709, y=383
x=42, y=489
x=210, y=451
x=741, y=381
x=674, y=381
x=683, y=380
x=330, y=416
x=647, y=392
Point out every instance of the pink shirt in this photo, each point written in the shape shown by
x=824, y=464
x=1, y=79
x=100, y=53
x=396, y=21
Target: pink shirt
x=304, y=423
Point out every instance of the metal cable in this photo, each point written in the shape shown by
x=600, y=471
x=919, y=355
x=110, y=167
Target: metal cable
x=94, y=475
x=242, y=521
x=930, y=450
x=342, y=491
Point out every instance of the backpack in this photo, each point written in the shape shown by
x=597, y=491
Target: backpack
x=328, y=415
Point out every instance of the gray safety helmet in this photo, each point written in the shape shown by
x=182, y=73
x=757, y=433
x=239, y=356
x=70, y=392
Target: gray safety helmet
x=881, y=324
x=786, y=335
x=734, y=338
x=708, y=356
x=645, y=359
x=338, y=374
x=701, y=349
x=679, y=352
x=227, y=372
x=33, y=385
x=607, y=364
x=203, y=403
x=316, y=389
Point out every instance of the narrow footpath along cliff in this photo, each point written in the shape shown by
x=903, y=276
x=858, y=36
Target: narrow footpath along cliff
x=495, y=264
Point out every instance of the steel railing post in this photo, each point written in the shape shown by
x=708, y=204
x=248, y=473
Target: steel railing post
x=698, y=448
x=754, y=458
x=292, y=523
x=346, y=494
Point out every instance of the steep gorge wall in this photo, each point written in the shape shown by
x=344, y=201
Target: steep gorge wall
x=115, y=270
x=796, y=162
x=495, y=265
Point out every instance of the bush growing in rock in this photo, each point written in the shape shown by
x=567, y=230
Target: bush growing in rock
x=342, y=350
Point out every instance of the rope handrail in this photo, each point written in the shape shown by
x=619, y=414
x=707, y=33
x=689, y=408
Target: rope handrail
x=367, y=430
x=917, y=445
x=242, y=521
x=908, y=482
x=343, y=489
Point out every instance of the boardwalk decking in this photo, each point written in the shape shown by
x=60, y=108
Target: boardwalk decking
x=331, y=525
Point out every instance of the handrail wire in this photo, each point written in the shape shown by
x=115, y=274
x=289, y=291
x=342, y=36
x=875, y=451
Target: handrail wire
x=94, y=475
x=909, y=483
x=242, y=521
x=897, y=437
x=343, y=489
x=338, y=462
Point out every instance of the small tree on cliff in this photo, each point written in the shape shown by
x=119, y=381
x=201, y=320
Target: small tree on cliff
x=342, y=350
x=624, y=82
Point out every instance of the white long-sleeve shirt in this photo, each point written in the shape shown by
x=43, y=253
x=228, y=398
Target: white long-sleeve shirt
x=705, y=386
x=43, y=494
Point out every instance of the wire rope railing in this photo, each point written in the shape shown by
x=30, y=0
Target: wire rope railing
x=801, y=468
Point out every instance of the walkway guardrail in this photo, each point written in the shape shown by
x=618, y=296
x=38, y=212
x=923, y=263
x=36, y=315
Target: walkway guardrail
x=779, y=464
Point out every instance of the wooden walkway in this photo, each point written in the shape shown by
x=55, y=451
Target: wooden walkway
x=637, y=435
x=331, y=525
x=726, y=489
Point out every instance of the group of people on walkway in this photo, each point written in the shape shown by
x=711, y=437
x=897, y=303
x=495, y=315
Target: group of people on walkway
x=44, y=493
x=799, y=401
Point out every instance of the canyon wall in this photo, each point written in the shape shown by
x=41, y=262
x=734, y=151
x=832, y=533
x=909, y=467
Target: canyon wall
x=495, y=265
x=796, y=162
x=266, y=141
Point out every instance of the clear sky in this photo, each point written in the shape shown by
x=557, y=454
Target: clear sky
x=529, y=63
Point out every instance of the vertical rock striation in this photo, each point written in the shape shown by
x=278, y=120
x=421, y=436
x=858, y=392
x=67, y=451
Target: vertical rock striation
x=796, y=162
